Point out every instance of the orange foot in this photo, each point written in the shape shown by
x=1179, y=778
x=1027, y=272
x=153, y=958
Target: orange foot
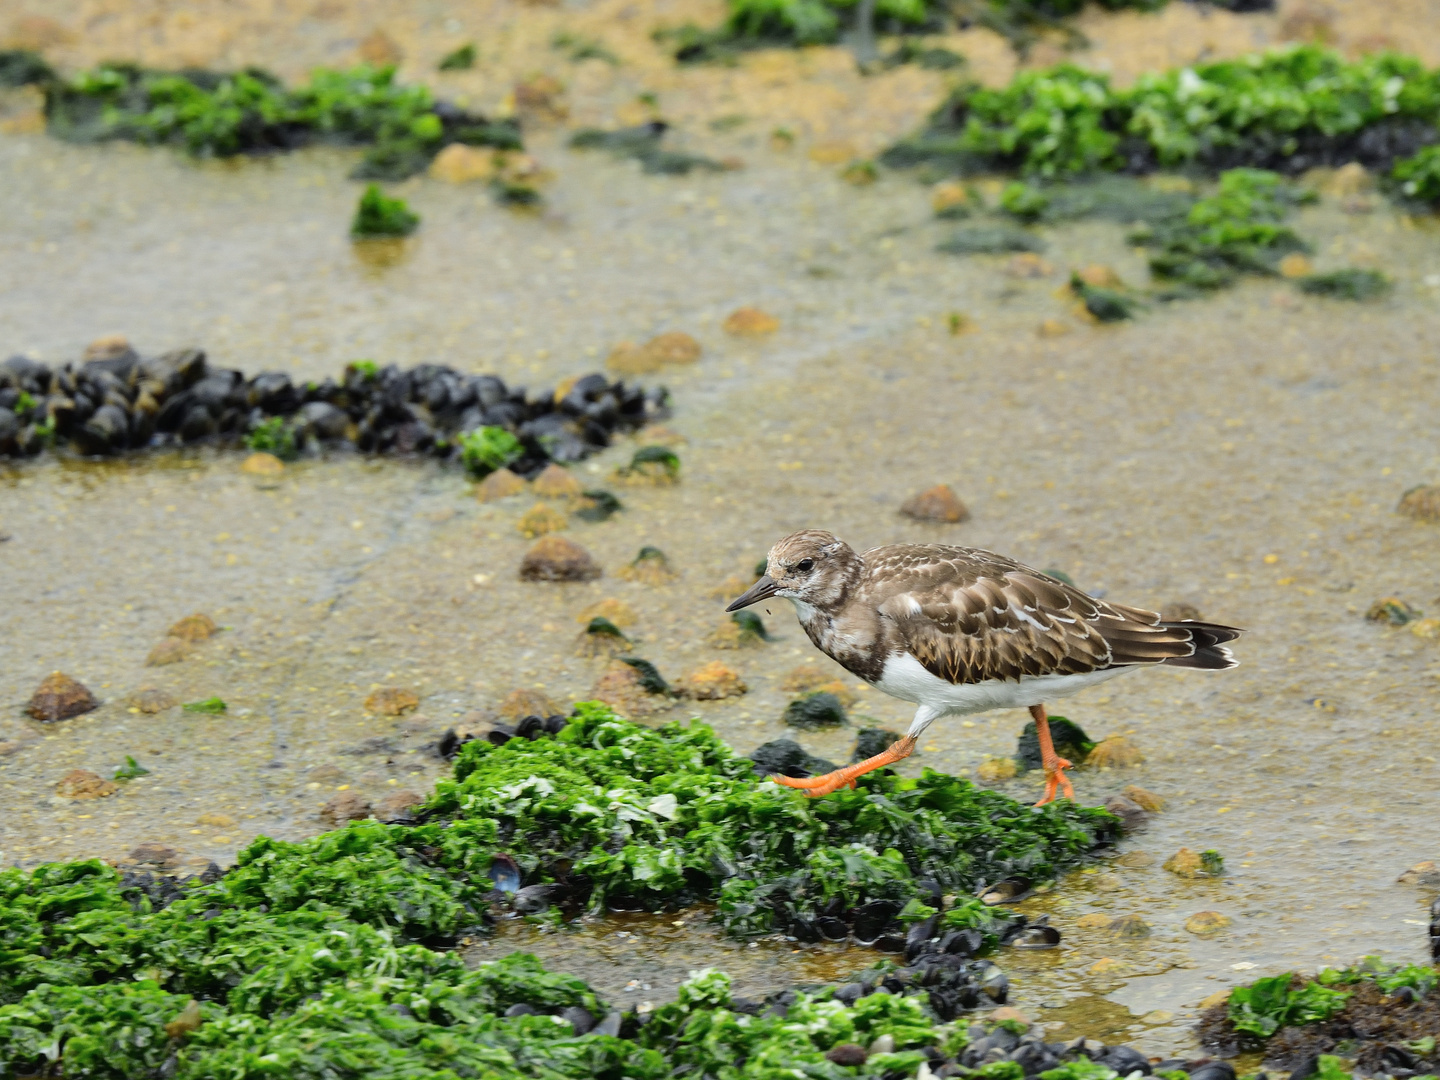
x=816, y=786
x=1055, y=778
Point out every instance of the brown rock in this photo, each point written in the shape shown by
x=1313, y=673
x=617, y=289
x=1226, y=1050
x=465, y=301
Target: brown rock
x=1427, y=629
x=711, y=682
x=83, y=784
x=500, y=484
x=398, y=806
x=1096, y=920
x=590, y=645
x=619, y=687
x=938, y=503
x=1099, y=277
x=995, y=769
x=1421, y=503
x=520, y=703
x=1128, y=927
x=541, y=520
x=554, y=558
x=1130, y=813
x=750, y=322
x=949, y=196
x=1009, y=1012
x=151, y=700
x=1180, y=611
x=1115, y=752
x=1426, y=874
x=215, y=820
x=1348, y=180
x=627, y=358
x=1219, y=997
x=1136, y=860
x=345, y=806
x=193, y=628
x=391, y=701
x=170, y=650
x=1296, y=265
x=154, y=853
x=847, y=1054
x=1184, y=863
x=109, y=347
x=1027, y=264
x=617, y=611
x=556, y=482
x=59, y=697
x=675, y=347
x=650, y=567
x=262, y=464
x=1206, y=923
x=461, y=164
x=380, y=50
x=1393, y=611
x=1146, y=800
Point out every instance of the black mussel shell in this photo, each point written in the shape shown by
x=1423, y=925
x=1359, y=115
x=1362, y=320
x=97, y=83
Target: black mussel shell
x=500, y=734
x=531, y=727
x=963, y=943
x=805, y=930
x=555, y=724
x=522, y=1009
x=1223, y=1070
x=1037, y=937
x=610, y=1025
x=831, y=928
x=532, y=899
x=580, y=1019
x=505, y=873
x=849, y=993
x=919, y=935
x=993, y=982
x=873, y=919
x=620, y=902
x=1005, y=892
x=889, y=943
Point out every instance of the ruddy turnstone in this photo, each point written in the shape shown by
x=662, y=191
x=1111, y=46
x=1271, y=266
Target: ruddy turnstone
x=960, y=630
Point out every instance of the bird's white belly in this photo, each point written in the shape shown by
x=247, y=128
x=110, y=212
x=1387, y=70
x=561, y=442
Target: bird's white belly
x=905, y=678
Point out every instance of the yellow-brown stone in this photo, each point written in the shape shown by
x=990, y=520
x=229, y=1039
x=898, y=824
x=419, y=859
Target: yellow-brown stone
x=939, y=503
x=750, y=322
x=540, y=520
x=712, y=682
x=391, y=701
x=554, y=558
x=83, y=784
x=500, y=484
x=197, y=627
x=556, y=482
x=59, y=697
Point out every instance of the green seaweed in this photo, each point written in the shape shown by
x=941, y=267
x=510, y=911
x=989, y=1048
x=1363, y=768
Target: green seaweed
x=379, y=215
x=989, y=240
x=598, y=506
x=642, y=143
x=458, y=59
x=1267, y=1005
x=274, y=435
x=486, y=449
x=1024, y=202
x=130, y=770
x=1292, y=107
x=1348, y=284
x=752, y=627
x=1212, y=863
x=222, y=114
x=212, y=705
x=1105, y=305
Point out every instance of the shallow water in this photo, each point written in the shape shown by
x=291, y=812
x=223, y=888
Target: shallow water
x=1242, y=453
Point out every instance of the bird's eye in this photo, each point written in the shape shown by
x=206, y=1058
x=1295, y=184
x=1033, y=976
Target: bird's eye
x=805, y=565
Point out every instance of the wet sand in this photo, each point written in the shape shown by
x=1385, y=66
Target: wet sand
x=1243, y=453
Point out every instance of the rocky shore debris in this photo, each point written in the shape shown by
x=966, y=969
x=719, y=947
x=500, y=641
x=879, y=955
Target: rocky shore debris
x=1421, y=503
x=673, y=347
x=601, y=638
x=555, y=558
x=127, y=402
x=819, y=709
x=59, y=697
x=541, y=520
x=391, y=701
x=1068, y=737
x=345, y=806
x=500, y=484
x=151, y=700
x=651, y=466
x=1207, y=923
x=939, y=503
x=84, y=784
x=742, y=630
x=556, y=482
x=750, y=322
x=1190, y=864
x=633, y=688
x=1392, y=611
x=1114, y=752
x=650, y=566
x=712, y=681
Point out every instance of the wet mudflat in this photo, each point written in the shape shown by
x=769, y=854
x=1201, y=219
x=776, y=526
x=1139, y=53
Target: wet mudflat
x=1241, y=453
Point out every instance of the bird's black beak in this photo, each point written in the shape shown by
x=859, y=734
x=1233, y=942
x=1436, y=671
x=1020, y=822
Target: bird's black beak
x=761, y=590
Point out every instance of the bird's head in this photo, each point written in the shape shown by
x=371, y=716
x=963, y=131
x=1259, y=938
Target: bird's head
x=810, y=567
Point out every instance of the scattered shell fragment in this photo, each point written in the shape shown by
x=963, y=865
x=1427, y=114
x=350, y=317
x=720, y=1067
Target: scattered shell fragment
x=170, y=650
x=541, y=520
x=649, y=567
x=59, y=697
x=1115, y=752
x=391, y=701
x=1147, y=801
x=617, y=611
x=262, y=464
x=711, y=682
x=939, y=503
x=197, y=627
x=522, y=702
x=554, y=558
x=556, y=482
x=500, y=484
x=1421, y=503
x=750, y=322
x=1206, y=923
x=83, y=784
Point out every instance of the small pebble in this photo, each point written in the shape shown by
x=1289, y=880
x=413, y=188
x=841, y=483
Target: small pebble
x=541, y=520
x=195, y=627
x=500, y=484
x=154, y=853
x=1426, y=874
x=522, y=702
x=83, y=784
x=59, y=697
x=555, y=482
x=939, y=503
x=345, y=806
x=1115, y=752
x=1184, y=863
x=1128, y=927
x=750, y=322
x=170, y=650
x=554, y=558
x=262, y=464
x=1421, y=503
x=151, y=700
x=995, y=769
x=1146, y=800
x=1206, y=923
x=391, y=701
x=711, y=682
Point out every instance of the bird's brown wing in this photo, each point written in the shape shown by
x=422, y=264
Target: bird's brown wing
x=969, y=616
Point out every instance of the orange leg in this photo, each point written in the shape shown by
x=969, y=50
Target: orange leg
x=1053, y=764
x=815, y=786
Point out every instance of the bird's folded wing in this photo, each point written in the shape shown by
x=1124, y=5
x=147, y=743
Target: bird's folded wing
x=984, y=617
